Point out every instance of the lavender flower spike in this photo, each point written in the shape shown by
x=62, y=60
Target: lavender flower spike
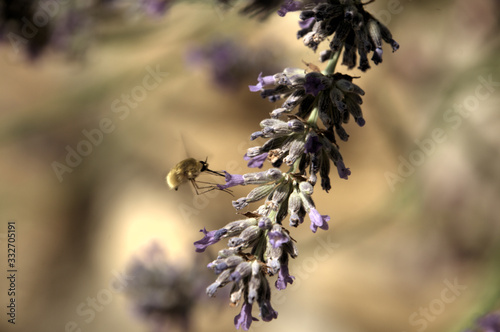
x=244, y=318
x=231, y=181
x=209, y=238
x=263, y=81
x=318, y=220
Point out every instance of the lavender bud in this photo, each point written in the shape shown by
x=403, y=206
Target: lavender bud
x=260, y=192
x=272, y=256
x=345, y=85
x=294, y=202
x=294, y=99
x=237, y=292
x=253, y=151
x=254, y=284
x=278, y=111
x=246, y=237
x=270, y=123
x=225, y=253
x=241, y=271
x=240, y=203
x=221, y=281
x=220, y=265
x=306, y=188
x=295, y=75
x=296, y=151
x=336, y=95
x=280, y=194
x=296, y=125
x=238, y=226
x=265, y=223
x=271, y=174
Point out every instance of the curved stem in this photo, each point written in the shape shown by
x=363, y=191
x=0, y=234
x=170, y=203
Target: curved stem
x=332, y=63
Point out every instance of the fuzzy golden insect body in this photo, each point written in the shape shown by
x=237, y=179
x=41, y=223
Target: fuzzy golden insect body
x=188, y=170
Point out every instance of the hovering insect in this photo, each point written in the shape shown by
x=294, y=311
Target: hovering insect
x=188, y=170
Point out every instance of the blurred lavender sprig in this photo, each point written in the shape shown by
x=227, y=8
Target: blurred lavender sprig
x=33, y=26
x=487, y=323
x=162, y=293
x=229, y=62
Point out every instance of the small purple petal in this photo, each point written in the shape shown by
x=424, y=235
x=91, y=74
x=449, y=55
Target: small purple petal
x=209, y=238
x=289, y=6
x=307, y=23
x=263, y=81
x=313, y=145
x=313, y=85
x=283, y=277
x=344, y=172
x=318, y=220
x=244, y=318
x=231, y=181
x=257, y=161
x=277, y=238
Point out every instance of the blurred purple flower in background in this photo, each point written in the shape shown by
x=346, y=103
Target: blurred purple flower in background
x=230, y=66
x=487, y=323
x=162, y=293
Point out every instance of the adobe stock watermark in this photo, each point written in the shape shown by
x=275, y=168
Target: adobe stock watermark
x=454, y=117
x=323, y=251
x=122, y=106
x=29, y=28
x=420, y=319
x=89, y=308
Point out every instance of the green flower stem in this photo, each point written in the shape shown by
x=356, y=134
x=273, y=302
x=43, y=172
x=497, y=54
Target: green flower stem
x=313, y=117
x=332, y=63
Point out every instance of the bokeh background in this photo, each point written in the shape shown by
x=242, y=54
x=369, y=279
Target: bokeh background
x=394, y=246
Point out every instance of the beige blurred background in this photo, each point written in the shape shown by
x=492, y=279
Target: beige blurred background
x=393, y=246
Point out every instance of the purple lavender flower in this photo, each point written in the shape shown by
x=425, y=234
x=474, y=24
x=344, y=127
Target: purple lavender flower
x=262, y=82
x=277, y=237
x=257, y=161
x=244, y=318
x=284, y=277
x=231, y=181
x=318, y=220
x=209, y=238
x=350, y=26
x=160, y=291
x=344, y=172
x=307, y=23
x=289, y=6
